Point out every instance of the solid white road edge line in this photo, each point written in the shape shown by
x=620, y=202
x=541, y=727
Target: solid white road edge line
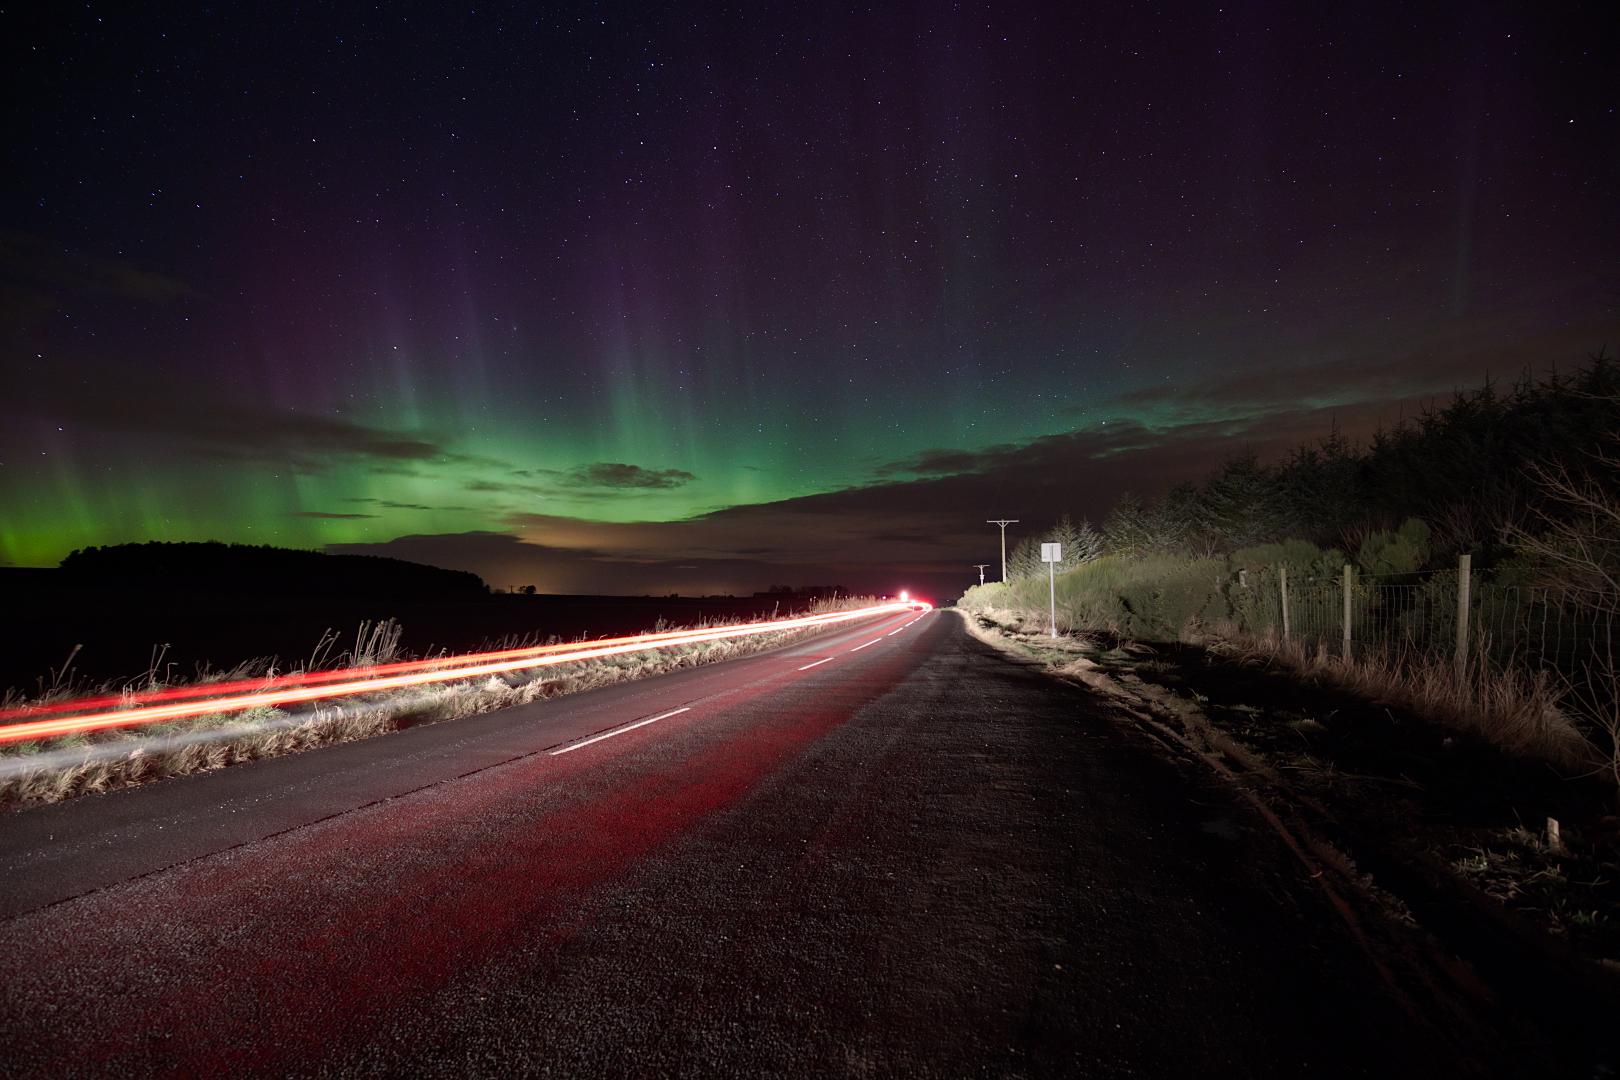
x=621, y=730
x=807, y=667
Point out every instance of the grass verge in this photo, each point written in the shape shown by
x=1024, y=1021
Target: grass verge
x=48, y=771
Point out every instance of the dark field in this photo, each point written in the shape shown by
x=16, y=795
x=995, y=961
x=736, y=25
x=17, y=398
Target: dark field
x=44, y=618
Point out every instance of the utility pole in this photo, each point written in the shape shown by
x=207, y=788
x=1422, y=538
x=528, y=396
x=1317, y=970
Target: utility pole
x=1003, y=522
x=979, y=566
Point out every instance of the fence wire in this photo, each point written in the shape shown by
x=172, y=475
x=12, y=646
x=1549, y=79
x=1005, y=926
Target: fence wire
x=1416, y=615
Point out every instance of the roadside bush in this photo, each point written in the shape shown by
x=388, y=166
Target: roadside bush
x=1167, y=598
x=1092, y=594
x=992, y=594
x=1254, y=593
x=1403, y=551
x=1155, y=598
x=1303, y=559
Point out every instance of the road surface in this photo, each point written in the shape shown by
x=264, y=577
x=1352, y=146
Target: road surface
x=888, y=850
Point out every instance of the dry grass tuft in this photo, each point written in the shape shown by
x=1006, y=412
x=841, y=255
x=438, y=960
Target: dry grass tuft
x=1515, y=709
x=105, y=761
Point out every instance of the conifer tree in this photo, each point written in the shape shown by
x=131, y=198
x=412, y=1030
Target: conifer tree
x=1088, y=543
x=1126, y=528
x=1025, y=560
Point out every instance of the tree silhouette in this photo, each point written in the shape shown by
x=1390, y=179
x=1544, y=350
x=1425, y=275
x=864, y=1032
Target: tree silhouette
x=248, y=569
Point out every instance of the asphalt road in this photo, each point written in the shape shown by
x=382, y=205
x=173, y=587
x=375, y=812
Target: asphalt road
x=886, y=851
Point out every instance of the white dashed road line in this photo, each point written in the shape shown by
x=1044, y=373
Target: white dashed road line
x=687, y=708
x=620, y=730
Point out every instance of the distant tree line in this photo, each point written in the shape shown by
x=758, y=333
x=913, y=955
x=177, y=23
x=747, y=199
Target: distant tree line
x=246, y=569
x=1469, y=469
x=817, y=591
x=1466, y=475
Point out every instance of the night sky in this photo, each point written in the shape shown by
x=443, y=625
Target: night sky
x=652, y=299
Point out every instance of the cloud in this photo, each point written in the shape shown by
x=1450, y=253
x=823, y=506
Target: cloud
x=598, y=480
x=44, y=270
x=277, y=433
x=1070, y=452
x=942, y=462
x=489, y=486
x=616, y=474
x=1441, y=360
x=389, y=504
x=163, y=415
x=945, y=462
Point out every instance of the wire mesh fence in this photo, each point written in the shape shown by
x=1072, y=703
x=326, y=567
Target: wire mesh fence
x=1454, y=614
x=1565, y=629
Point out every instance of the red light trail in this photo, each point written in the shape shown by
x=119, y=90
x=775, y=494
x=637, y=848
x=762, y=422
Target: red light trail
x=311, y=678
x=178, y=703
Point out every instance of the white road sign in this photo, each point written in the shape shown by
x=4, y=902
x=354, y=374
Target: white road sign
x=1051, y=553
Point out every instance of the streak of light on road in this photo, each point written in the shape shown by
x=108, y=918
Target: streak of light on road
x=139, y=709
x=316, y=678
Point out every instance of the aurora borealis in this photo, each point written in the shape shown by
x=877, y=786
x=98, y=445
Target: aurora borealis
x=654, y=299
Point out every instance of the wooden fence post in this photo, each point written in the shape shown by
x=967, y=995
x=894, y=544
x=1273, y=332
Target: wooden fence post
x=1347, y=644
x=1464, y=572
x=1282, y=576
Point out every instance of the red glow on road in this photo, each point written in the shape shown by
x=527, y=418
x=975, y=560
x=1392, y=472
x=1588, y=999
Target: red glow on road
x=179, y=703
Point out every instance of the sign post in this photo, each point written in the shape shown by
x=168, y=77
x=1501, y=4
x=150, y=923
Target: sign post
x=1051, y=555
